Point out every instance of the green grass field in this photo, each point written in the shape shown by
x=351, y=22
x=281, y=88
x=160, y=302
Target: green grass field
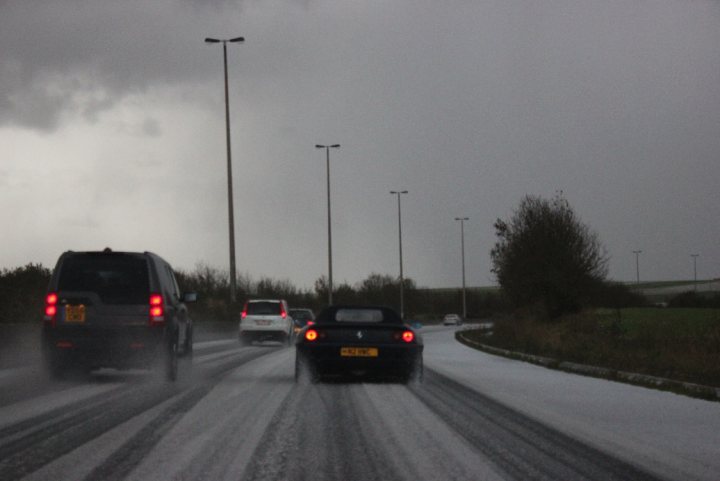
x=667, y=321
x=679, y=344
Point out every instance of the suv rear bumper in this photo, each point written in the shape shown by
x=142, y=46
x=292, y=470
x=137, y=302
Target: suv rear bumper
x=117, y=347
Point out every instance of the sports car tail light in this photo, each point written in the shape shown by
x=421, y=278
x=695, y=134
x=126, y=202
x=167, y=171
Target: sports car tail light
x=51, y=307
x=157, y=310
x=408, y=336
x=311, y=335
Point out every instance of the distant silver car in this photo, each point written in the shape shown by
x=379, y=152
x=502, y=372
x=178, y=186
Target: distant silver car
x=452, y=320
x=301, y=317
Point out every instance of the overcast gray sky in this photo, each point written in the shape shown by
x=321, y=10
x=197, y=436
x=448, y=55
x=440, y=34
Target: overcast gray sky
x=112, y=130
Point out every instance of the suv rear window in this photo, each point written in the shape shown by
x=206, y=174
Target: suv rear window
x=116, y=279
x=263, y=308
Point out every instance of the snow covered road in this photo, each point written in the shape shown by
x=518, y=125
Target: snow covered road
x=239, y=415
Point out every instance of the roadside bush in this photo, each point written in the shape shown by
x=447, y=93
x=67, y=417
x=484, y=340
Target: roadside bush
x=213, y=288
x=22, y=293
x=616, y=295
x=695, y=299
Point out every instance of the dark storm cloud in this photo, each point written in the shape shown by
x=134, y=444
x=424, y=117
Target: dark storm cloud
x=81, y=56
x=470, y=105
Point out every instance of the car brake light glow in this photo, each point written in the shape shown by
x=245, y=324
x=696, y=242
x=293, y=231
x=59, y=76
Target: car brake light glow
x=243, y=314
x=65, y=344
x=310, y=323
x=157, y=309
x=408, y=336
x=51, y=307
x=311, y=335
x=283, y=314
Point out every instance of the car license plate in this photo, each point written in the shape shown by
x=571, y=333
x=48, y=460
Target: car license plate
x=359, y=351
x=75, y=313
x=262, y=322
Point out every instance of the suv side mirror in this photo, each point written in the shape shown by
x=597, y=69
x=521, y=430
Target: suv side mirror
x=189, y=297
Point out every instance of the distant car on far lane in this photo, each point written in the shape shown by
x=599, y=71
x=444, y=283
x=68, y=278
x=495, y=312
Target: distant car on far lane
x=452, y=320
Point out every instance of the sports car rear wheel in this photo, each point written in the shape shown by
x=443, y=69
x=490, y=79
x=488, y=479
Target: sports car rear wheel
x=171, y=359
x=304, y=371
x=415, y=373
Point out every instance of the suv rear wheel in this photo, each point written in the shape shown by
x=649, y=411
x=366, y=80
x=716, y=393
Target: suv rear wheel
x=188, y=348
x=171, y=359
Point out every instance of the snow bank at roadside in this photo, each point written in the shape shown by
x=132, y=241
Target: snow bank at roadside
x=671, y=435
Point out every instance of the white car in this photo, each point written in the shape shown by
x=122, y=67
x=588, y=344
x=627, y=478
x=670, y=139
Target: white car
x=265, y=320
x=452, y=320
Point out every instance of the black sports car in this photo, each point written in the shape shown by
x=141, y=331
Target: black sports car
x=369, y=341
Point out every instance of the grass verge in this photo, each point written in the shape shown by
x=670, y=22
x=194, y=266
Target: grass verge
x=672, y=349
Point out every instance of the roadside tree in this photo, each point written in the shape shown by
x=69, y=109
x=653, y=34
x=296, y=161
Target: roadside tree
x=545, y=258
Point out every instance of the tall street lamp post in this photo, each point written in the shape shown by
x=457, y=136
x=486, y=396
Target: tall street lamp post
x=330, y=269
x=462, y=251
x=694, y=257
x=231, y=216
x=637, y=265
x=402, y=282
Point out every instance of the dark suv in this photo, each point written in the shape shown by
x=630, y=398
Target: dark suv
x=115, y=309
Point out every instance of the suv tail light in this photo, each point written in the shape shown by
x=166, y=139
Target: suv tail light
x=157, y=309
x=51, y=308
x=283, y=313
x=243, y=314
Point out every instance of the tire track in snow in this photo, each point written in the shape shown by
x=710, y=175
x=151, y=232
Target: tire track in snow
x=521, y=447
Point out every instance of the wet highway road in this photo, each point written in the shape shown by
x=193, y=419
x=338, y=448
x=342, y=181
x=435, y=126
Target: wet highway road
x=237, y=413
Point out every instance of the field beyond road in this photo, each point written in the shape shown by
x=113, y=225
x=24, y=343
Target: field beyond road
x=682, y=344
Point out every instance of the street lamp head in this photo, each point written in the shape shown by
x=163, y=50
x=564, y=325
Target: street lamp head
x=217, y=40
x=318, y=146
x=398, y=191
x=462, y=218
x=335, y=146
